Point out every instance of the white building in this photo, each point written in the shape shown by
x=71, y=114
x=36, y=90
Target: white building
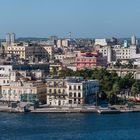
x=65, y=43
x=116, y=52
x=102, y=42
x=59, y=43
x=81, y=92
x=62, y=43
x=6, y=74
x=133, y=40
x=10, y=38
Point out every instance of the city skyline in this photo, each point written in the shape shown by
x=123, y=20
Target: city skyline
x=89, y=19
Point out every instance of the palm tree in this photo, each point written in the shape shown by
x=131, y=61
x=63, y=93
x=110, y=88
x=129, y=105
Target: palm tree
x=135, y=90
x=131, y=63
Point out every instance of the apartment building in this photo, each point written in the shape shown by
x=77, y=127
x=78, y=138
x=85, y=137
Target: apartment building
x=56, y=92
x=71, y=91
x=6, y=74
x=90, y=60
x=50, y=50
x=25, y=50
x=124, y=51
x=23, y=90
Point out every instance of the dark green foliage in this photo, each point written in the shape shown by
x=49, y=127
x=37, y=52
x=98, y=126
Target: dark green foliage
x=66, y=72
x=135, y=88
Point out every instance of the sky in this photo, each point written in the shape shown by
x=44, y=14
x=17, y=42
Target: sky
x=83, y=18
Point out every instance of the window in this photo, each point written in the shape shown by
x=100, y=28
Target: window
x=70, y=101
x=69, y=87
x=74, y=87
x=59, y=91
x=79, y=101
x=50, y=90
x=74, y=94
x=63, y=90
x=79, y=95
x=79, y=88
x=70, y=94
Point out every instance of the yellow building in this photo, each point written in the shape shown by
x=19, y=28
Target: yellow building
x=17, y=49
x=50, y=50
x=24, y=90
x=25, y=50
x=56, y=92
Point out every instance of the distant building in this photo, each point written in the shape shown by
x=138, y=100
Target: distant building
x=67, y=58
x=10, y=38
x=122, y=52
x=13, y=37
x=63, y=43
x=90, y=60
x=59, y=43
x=50, y=50
x=25, y=50
x=133, y=40
x=102, y=42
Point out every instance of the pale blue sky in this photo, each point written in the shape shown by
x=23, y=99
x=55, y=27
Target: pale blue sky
x=84, y=18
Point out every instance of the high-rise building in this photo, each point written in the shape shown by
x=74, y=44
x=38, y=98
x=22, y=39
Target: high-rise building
x=8, y=38
x=13, y=36
x=59, y=43
x=133, y=40
x=65, y=42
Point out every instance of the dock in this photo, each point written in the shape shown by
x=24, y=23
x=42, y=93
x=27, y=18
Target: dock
x=63, y=110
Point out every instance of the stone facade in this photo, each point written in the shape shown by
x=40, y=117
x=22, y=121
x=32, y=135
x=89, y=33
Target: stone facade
x=71, y=91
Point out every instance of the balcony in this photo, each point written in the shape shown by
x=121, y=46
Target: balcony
x=57, y=94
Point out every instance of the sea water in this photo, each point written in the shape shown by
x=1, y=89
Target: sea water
x=69, y=126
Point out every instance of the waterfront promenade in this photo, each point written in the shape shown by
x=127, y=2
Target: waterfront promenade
x=82, y=109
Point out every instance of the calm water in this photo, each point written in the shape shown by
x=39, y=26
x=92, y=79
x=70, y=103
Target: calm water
x=69, y=126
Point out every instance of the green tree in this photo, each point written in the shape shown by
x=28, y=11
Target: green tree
x=54, y=71
x=66, y=72
x=116, y=90
x=130, y=64
x=135, y=88
x=111, y=97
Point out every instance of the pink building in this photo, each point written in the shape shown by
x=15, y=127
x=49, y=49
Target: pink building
x=90, y=60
